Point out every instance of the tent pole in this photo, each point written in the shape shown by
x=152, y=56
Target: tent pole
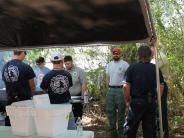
x=158, y=93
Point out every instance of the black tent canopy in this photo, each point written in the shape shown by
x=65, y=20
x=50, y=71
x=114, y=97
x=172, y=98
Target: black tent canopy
x=47, y=23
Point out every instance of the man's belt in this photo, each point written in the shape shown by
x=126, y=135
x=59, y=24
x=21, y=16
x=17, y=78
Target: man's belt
x=115, y=86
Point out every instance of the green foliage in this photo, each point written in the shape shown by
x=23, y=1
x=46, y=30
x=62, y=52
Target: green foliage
x=96, y=82
x=33, y=54
x=168, y=16
x=96, y=76
x=179, y=118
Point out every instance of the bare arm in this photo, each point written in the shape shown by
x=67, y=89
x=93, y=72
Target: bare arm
x=32, y=86
x=84, y=88
x=44, y=92
x=83, y=81
x=127, y=97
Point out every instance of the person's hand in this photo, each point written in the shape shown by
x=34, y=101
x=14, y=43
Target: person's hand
x=128, y=102
x=43, y=92
x=152, y=41
x=128, y=106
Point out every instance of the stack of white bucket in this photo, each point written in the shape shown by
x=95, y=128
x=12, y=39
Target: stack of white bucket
x=22, y=122
x=49, y=120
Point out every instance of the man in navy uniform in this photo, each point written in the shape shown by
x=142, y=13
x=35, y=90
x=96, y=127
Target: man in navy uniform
x=19, y=79
x=140, y=95
x=58, y=81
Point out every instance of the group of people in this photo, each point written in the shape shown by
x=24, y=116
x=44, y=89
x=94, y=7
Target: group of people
x=133, y=88
x=22, y=82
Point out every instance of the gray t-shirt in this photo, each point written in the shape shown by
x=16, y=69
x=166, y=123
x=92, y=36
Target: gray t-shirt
x=78, y=78
x=116, y=72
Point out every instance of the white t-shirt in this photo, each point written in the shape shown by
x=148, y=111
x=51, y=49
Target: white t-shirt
x=116, y=72
x=163, y=64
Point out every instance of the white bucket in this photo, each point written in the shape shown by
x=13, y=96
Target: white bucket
x=22, y=122
x=51, y=121
x=41, y=101
x=25, y=103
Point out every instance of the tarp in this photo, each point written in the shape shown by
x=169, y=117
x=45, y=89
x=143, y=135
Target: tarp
x=47, y=23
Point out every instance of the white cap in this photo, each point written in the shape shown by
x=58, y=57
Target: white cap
x=56, y=56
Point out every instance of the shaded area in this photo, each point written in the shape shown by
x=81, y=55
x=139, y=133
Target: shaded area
x=49, y=22
x=94, y=119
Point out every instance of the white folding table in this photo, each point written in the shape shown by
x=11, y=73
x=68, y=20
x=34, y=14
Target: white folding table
x=5, y=132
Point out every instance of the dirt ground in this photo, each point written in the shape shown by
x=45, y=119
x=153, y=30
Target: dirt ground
x=94, y=119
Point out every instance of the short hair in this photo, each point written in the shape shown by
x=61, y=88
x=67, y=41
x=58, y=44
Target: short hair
x=68, y=58
x=18, y=52
x=40, y=60
x=57, y=62
x=144, y=53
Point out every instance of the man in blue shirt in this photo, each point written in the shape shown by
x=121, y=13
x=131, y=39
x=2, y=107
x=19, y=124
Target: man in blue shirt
x=19, y=79
x=40, y=72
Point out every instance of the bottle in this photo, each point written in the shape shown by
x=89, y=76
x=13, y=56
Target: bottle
x=79, y=127
x=86, y=97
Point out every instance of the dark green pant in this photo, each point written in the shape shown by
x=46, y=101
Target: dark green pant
x=115, y=109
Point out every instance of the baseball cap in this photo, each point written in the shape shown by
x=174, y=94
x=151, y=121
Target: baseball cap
x=56, y=56
x=116, y=51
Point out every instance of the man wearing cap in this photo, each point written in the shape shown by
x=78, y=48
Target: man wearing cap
x=19, y=79
x=58, y=81
x=115, y=106
x=40, y=72
x=79, y=85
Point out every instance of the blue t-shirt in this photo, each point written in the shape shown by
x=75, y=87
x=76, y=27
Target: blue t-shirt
x=2, y=63
x=40, y=73
x=142, y=77
x=16, y=75
x=57, y=84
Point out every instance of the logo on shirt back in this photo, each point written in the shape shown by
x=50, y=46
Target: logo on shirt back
x=74, y=74
x=59, y=84
x=40, y=77
x=11, y=73
x=120, y=69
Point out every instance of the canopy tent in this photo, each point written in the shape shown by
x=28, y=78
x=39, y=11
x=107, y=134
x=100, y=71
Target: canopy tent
x=47, y=23
x=60, y=23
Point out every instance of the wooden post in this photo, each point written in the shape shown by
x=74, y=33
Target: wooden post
x=158, y=93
